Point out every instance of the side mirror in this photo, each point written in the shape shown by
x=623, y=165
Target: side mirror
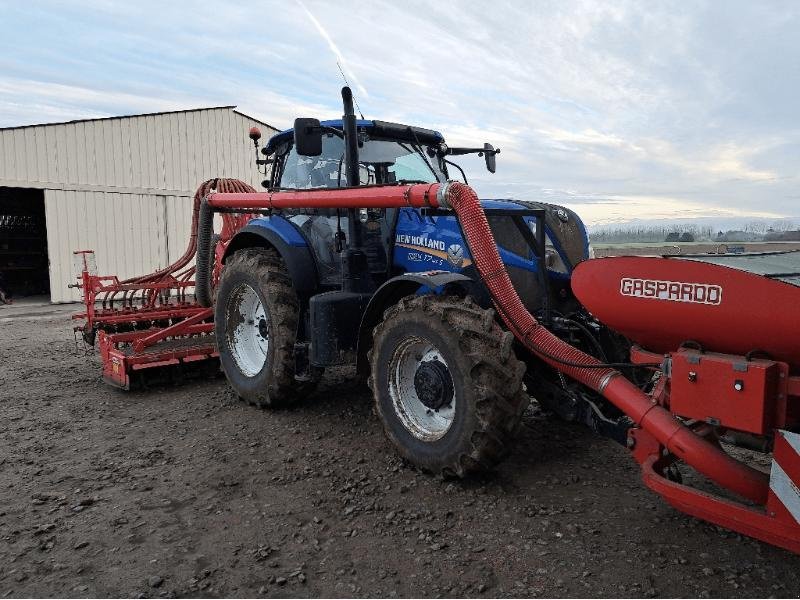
x=489, y=154
x=307, y=137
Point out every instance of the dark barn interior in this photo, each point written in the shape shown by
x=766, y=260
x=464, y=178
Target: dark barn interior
x=23, y=244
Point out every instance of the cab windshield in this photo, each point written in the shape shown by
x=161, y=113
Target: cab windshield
x=381, y=161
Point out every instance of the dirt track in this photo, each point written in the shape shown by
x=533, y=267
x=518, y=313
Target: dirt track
x=186, y=492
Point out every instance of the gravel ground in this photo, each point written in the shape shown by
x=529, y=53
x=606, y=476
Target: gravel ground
x=184, y=491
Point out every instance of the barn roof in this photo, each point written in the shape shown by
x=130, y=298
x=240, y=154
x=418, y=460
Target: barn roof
x=151, y=114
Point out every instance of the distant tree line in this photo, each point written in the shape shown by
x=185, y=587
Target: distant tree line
x=755, y=231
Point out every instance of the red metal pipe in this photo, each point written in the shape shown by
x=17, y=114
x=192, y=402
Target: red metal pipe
x=671, y=433
x=390, y=196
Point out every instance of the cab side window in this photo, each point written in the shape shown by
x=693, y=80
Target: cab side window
x=309, y=172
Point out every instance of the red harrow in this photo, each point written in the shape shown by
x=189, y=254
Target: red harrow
x=153, y=320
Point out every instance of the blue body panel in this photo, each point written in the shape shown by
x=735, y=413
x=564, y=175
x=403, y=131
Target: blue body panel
x=425, y=243
x=283, y=228
x=428, y=243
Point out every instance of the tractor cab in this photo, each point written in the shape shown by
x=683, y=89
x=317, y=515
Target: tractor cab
x=313, y=155
x=388, y=154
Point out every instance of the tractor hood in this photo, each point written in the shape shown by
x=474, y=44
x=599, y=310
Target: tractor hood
x=565, y=231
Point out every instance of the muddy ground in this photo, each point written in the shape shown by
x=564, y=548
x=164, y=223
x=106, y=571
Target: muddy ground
x=183, y=491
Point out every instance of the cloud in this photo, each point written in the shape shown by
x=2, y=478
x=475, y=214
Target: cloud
x=54, y=100
x=341, y=62
x=616, y=106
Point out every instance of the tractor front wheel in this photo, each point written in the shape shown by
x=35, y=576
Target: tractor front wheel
x=255, y=322
x=447, y=385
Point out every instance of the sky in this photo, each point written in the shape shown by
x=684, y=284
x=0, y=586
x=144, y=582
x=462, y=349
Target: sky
x=624, y=111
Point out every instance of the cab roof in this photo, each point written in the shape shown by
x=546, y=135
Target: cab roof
x=407, y=133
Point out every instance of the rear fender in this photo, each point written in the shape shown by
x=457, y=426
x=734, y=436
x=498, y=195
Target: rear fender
x=391, y=292
x=278, y=233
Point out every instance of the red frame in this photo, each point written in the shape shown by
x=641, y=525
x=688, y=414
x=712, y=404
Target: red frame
x=770, y=523
x=123, y=353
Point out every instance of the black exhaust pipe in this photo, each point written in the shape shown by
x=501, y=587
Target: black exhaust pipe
x=352, y=174
x=355, y=268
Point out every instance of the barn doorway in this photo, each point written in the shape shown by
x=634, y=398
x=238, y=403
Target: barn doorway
x=24, y=265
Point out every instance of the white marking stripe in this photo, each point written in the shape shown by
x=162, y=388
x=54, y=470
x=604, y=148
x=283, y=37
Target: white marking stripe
x=793, y=439
x=781, y=485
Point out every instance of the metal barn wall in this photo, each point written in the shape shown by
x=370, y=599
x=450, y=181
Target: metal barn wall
x=126, y=231
x=123, y=186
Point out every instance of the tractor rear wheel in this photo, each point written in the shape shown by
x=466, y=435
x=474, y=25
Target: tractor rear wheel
x=447, y=384
x=255, y=323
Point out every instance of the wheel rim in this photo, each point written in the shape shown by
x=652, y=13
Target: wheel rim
x=421, y=389
x=248, y=339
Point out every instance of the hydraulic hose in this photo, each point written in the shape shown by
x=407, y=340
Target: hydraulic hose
x=203, y=234
x=203, y=266
x=219, y=184
x=708, y=459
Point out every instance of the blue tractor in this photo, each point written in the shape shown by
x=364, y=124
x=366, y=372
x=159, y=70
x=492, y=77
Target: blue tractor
x=395, y=292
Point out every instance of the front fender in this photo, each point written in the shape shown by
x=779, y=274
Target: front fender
x=276, y=232
x=390, y=293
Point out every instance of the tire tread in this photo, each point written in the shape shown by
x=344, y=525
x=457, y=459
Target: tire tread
x=283, y=389
x=495, y=372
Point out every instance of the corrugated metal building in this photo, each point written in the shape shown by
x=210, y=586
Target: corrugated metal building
x=121, y=186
